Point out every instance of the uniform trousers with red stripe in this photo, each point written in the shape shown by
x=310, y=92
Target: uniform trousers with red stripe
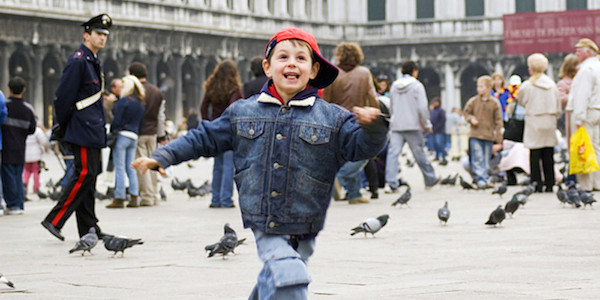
x=78, y=194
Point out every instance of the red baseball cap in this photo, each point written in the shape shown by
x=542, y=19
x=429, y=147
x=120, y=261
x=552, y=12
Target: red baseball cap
x=327, y=72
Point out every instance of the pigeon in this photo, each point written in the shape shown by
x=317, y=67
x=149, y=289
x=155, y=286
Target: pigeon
x=573, y=197
x=192, y=192
x=188, y=183
x=512, y=205
x=522, y=199
x=528, y=190
x=119, y=243
x=497, y=216
x=453, y=180
x=586, y=198
x=49, y=183
x=446, y=181
x=371, y=225
x=226, y=244
x=444, y=213
x=178, y=185
x=86, y=243
x=5, y=280
x=404, y=198
x=500, y=190
x=213, y=246
x=163, y=195
x=55, y=193
x=99, y=195
x=465, y=185
x=562, y=195
x=41, y=194
x=402, y=182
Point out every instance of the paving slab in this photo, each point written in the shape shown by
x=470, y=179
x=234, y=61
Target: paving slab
x=545, y=251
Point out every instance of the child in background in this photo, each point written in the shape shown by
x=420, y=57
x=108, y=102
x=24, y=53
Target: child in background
x=484, y=114
x=288, y=145
x=35, y=146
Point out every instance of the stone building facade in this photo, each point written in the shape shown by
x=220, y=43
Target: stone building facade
x=181, y=41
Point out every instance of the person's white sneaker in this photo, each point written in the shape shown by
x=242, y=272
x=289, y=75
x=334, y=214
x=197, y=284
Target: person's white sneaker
x=389, y=190
x=13, y=212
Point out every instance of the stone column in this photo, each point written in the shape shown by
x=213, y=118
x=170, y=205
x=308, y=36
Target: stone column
x=6, y=50
x=37, y=97
x=178, y=62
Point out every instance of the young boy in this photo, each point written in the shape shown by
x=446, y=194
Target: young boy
x=484, y=114
x=288, y=145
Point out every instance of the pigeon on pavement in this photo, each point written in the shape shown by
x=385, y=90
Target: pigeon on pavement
x=178, y=185
x=453, y=180
x=562, y=195
x=586, y=198
x=573, y=197
x=119, y=243
x=404, y=198
x=500, y=190
x=444, y=213
x=446, y=181
x=371, y=225
x=226, y=244
x=512, y=205
x=465, y=185
x=163, y=195
x=5, y=280
x=86, y=243
x=497, y=216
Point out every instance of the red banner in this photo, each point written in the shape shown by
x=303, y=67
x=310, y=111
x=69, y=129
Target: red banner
x=549, y=32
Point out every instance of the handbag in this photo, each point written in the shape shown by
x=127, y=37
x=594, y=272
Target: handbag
x=513, y=129
x=111, y=139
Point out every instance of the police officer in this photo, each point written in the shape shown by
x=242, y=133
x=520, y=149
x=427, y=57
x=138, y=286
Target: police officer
x=80, y=115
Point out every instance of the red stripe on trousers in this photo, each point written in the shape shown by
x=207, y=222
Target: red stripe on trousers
x=75, y=189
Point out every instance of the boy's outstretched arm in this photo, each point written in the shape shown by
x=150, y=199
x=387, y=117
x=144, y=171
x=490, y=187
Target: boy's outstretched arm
x=144, y=164
x=366, y=115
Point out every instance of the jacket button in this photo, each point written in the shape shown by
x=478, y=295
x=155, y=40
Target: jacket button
x=272, y=224
x=274, y=194
x=251, y=131
x=279, y=136
x=313, y=138
x=277, y=166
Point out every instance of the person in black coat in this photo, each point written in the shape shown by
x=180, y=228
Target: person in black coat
x=254, y=86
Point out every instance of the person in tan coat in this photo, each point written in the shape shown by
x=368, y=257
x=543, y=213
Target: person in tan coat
x=541, y=100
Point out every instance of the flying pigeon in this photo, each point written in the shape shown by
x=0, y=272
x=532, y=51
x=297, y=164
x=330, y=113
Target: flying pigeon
x=404, y=198
x=586, y=198
x=5, y=280
x=119, y=243
x=86, y=243
x=512, y=205
x=444, y=213
x=226, y=244
x=497, y=216
x=163, y=195
x=562, y=195
x=465, y=185
x=500, y=190
x=371, y=225
x=453, y=180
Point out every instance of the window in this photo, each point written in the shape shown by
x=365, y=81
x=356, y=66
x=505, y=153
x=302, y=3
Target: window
x=425, y=9
x=525, y=6
x=251, y=5
x=230, y=4
x=376, y=10
x=271, y=6
x=576, y=4
x=474, y=8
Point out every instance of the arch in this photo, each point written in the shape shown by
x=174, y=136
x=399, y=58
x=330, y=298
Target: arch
x=211, y=63
x=468, y=81
x=111, y=71
x=51, y=72
x=521, y=70
x=430, y=78
x=190, y=85
x=166, y=84
x=20, y=65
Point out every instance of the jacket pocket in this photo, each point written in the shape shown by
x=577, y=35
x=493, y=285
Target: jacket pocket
x=309, y=198
x=250, y=189
x=250, y=129
x=314, y=144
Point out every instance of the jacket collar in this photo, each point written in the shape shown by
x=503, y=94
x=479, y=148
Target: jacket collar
x=304, y=98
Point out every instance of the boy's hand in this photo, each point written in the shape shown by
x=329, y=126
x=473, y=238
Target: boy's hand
x=366, y=115
x=144, y=164
x=474, y=122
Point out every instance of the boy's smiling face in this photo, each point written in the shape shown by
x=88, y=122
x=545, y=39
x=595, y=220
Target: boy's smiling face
x=291, y=67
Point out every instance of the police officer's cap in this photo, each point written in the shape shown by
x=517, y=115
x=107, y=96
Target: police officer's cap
x=100, y=23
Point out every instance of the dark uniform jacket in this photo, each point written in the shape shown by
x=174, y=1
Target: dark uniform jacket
x=19, y=123
x=76, y=111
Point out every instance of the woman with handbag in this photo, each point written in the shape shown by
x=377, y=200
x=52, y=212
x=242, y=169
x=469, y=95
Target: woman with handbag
x=540, y=98
x=125, y=127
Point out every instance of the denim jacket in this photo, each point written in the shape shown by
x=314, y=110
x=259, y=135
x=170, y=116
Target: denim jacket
x=285, y=156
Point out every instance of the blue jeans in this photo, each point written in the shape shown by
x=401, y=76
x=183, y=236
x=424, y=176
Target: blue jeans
x=222, y=180
x=284, y=274
x=349, y=176
x=480, y=153
x=414, y=138
x=123, y=156
x=12, y=182
x=439, y=144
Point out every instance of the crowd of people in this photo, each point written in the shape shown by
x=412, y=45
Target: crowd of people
x=287, y=145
